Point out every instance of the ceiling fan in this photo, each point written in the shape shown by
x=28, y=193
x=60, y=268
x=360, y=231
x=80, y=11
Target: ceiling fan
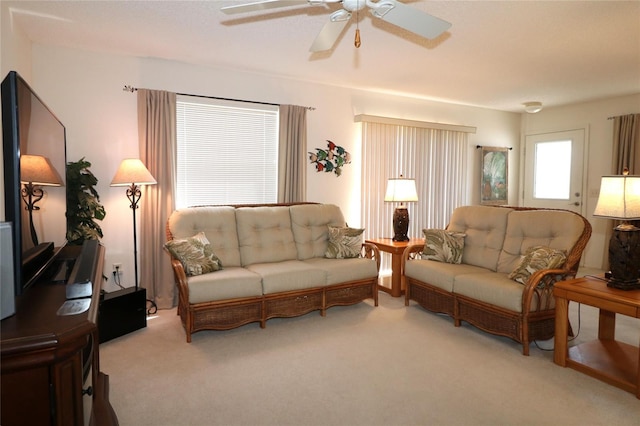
x=391, y=11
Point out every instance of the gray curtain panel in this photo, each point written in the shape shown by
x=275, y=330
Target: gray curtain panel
x=157, y=144
x=292, y=177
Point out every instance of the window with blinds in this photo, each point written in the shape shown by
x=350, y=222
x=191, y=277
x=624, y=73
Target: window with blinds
x=435, y=158
x=227, y=152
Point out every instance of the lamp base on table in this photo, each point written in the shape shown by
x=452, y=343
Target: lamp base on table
x=400, y=223
x=624, y=258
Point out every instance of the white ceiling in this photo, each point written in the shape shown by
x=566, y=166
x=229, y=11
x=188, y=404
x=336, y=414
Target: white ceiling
x=496, y=54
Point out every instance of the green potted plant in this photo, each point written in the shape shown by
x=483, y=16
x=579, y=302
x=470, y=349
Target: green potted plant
x=83, y=204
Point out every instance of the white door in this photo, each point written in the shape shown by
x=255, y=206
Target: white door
x=553, y=170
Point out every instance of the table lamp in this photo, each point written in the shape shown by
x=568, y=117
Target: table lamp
x=36, y=171
x=620, y=199
x=401, y=190
x=133, y=173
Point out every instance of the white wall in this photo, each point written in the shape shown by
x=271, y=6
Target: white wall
x=592, y=116
x=85, y=91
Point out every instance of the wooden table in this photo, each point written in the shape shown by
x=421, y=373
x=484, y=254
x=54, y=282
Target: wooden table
x=396, y=248
x=606, y=359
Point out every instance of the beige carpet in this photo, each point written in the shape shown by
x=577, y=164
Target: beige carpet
x=360, y=365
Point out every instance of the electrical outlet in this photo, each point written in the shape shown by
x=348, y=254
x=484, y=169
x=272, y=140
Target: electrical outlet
x=117, y=268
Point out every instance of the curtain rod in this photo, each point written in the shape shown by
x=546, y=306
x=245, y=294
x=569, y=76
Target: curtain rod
x=132, y=89
x=612, y=118
x=499, y=147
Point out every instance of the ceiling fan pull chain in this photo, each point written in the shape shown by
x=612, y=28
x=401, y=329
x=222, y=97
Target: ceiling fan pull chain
x=357, y=41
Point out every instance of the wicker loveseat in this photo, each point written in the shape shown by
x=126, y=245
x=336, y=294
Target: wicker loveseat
x=273, y=264
x=479, y=290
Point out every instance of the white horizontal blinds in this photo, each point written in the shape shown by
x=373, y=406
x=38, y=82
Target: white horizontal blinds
x=227, y=152
x=436, y=159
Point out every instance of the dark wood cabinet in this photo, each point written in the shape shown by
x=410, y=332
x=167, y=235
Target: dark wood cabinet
x=50, y=362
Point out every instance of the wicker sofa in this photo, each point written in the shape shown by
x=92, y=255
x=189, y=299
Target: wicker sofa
x=273, y=264
x=479, y=290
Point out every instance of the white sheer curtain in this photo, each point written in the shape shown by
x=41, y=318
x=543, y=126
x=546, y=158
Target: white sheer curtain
x=436, y=159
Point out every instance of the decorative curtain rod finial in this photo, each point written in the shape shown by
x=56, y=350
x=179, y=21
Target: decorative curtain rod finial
x=128, y=88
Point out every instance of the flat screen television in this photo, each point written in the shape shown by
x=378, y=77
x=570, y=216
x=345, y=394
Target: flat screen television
x=30, y=130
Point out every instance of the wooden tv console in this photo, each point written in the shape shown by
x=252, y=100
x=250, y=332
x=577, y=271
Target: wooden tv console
x=51, y=363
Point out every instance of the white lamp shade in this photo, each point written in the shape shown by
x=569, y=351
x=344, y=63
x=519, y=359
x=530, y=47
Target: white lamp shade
x=38, y=170
x=401, y=190
x=132, y=171
x=619, y=198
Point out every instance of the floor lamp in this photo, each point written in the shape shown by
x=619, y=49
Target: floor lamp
x=133, y=173
x=401, y=190
x=36, y=171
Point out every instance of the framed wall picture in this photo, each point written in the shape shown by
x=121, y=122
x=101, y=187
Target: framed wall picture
x=495, y=176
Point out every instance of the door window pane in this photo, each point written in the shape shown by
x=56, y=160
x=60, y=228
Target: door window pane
x=552, y=170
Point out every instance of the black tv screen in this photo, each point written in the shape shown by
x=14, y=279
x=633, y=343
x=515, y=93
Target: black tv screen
x=30, y=128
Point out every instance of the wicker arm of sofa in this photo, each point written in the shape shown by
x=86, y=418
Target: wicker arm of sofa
x=411, y=252
x=371, y=251
x=538, y=291
x=181, y=282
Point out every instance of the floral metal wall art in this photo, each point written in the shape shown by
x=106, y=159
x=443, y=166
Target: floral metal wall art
x=331, y=159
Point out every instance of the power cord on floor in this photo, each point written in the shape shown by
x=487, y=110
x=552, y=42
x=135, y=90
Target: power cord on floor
x=574, y=337
x=153, y=308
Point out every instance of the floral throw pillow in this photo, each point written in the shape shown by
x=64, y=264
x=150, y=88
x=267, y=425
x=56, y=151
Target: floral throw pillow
x=442, y=245
x=344, y=242
x=195, y=254
x=536, y=259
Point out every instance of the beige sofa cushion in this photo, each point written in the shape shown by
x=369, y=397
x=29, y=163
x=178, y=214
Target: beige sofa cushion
x=310, y=225
x=494, y=288
x=218, y=225
x=264, y=235
x=555, y=229
x=345, y=270
x=229, y=283
x=438, y=274
x=485, y=229
x=288, y=275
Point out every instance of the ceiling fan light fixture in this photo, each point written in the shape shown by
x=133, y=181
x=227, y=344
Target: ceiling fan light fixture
x=532, y=107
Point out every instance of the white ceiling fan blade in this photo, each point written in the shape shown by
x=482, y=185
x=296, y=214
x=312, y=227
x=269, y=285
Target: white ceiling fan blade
x=260, y=5
x=331, y=31
x=409, y=18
